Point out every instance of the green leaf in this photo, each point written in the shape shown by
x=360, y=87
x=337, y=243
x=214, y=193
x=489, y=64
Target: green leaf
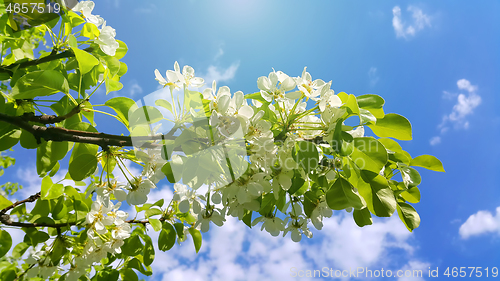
x=156, y=224
x=9, y=137
x=369, y=154
x=82, y=166
x=352, y=104
x=58, y=250
x=342, y=195
x=377, y=193
x=128, y=274
x=51, y=190
x=4, y=202
x=411, y=195
x=166, y=240
x=90, y=30
x=121, y=105
x=411, y=177
x=152, y=212
x=179, y=228
x=167, y=170
x=27, y=140
x=112, y=85
x=132, y=246
x=392, y=126
x=196, y=234
x=5, y=242
x=122, y=50
x=362, y=217
x=164, y=103
x=366, y=116
x=86, y=61
x=306, y=155
x=408, y=215
x=59, y=210
x=149, y=251
x=395, y=152
x=40, y=83
x=427, y=161
x=19, y=250
x=145, y=115
x=372, y=103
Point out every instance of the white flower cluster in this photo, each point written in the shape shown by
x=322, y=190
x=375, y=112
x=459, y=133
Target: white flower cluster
x=271, y=164
x=106, y=39
x=106, y=234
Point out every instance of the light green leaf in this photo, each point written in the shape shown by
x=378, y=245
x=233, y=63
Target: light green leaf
x=90, y=30
x=112, y=85
x=392, y=126
x=51, y=190
x=427, y=161
x=408, y=215
x=411, y=195
x=156, y=224
x=394, y=150
x=152, y=212
x=4, y=202
x=86, y=61
x=122, y=50
x=121, y=105
x=145, y=115
x=352, y=104
x=164, y=103
x=196, y=234
x=40, y=83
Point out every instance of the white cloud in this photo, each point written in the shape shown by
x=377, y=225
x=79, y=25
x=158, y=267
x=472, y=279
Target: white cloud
x=219, y=54
x=480, y=223
x=220, y=74
x=135, y=89
x=404, y=30
x=373, y=76
x=435, y=140
x=235, y=252
x=465, y=105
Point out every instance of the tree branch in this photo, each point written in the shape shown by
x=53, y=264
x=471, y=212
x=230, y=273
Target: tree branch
x=5, y=218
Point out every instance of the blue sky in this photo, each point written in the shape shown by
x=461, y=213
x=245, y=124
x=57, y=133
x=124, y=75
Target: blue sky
x=437, y=63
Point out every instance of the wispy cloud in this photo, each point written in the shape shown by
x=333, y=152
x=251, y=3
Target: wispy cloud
x=145, y=9
x=480, y=223
x=373, y=76
x=135, y=88
x=435, y=140
x=220, y=74
x=407, y=30
x=465, y=105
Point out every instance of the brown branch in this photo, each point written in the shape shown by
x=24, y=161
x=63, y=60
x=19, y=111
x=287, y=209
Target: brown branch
x=5, y=218
x=52, y=119
x=30, y=199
